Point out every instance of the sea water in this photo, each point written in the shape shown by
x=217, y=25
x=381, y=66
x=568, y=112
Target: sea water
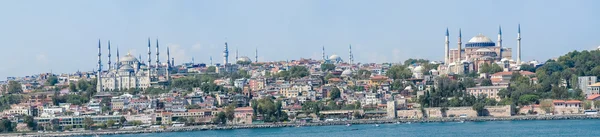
x=570, y=128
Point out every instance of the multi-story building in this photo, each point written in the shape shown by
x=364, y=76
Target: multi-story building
x=487, y=91
x=593, y=89
x=584, y=81
x=64, y=121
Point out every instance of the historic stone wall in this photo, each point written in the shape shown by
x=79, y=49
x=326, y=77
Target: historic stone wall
x=494, y=111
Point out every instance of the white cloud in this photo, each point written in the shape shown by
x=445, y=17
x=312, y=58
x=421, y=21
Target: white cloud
x=42, y=58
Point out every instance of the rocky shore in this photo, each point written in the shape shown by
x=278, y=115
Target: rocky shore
x=355, y=122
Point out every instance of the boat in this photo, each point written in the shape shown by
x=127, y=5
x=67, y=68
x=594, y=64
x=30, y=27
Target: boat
x=398, y=122
x=462, y=121
x=407, y=122
x=348, y=125
x=376, y=125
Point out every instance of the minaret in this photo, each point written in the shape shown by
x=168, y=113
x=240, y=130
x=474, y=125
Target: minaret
x=350, y=58
x=99, y=80
x=117, y=63
x=256, y=55
x=323, y=51
x=157, y=58
x=168, y=68
x=500, y=41
x=149, y=60
x=459, y=46
x=236, y=54
x=172, y=62
x=226, y=54
x=519, y=44
x=211, y=63
x=447, y=48
x=109, y=65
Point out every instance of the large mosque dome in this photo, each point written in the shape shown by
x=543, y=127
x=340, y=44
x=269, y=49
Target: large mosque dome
x=480, y=41
x=244, y=59
x=335, y=58
x=128, y=58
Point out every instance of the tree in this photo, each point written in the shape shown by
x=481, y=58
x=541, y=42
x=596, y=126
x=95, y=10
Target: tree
x=527, y=67
x=528, y=99
x=468, y=83
x=72, y=87
x=211, y=69
x=82, y=85
x=335, y=93
x=122, y=120
x=14, y=87
x=327, y=67
x=51, y=81
x=587, y=105
x=88, y=122
x=480, y=108
x=230, y=112
x=559, y=92
x=547, y=105
x=399, y=72
x=363, y=74
x=220, y=118
x=30, y=122
x=110, y=123
x=486, y=82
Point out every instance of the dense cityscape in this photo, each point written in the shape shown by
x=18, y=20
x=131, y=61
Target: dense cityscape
x=480, y=80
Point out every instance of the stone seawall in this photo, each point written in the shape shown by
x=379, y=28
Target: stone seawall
x=381, y=121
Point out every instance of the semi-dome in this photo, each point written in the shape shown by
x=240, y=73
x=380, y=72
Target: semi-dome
x=483, y=50
x=126, y=68
x=335, y=58
x=244, y=59
x=480, y=41
x=418, y=69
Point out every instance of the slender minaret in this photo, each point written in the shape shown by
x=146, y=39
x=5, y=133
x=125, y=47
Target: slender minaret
x=172, y=62
x=149, y=59
x=117, y=62
x=447, y=48
x=500, y=42
x=226, y=54
x=168, y=68
x=193, y=60
x=236, y=54
x=323, y=51
x=350, y=58
x=458, y=58
x=157, y=58
x=211, y=63
x=256, y=55
x=99, y=80
x=109, y=65
x=519, y=44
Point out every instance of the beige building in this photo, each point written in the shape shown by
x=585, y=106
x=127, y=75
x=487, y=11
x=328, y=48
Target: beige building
x=488, y=91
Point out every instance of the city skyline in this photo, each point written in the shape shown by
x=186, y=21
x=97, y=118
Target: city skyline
x=64, y=39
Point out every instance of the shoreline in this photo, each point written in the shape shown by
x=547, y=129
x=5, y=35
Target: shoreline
x=280, y=125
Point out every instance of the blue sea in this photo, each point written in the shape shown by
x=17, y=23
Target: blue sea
x=571, y=128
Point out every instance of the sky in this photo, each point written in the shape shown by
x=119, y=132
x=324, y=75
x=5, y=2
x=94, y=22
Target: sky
x=61, y=36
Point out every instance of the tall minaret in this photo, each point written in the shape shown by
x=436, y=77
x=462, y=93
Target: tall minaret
x=117, y=63
x=447, y=48
x=256, y=55
x=458, y=58
x=211, y=63
x=500, y=41
x=149, y=59
x=350, y=59
x=323, y=51
x=519, y=44
x=99, y=80
x=157, y=58
x=226, y=54
x=168, y=68
x=109, y=65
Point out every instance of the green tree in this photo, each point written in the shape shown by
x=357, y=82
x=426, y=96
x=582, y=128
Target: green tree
x=527, y=67
x=230, y=112
x=335, y=93
x=82, y=85
x=211, y=69
x=363, y=74
x=30, y=122
x=528, y=99
x=72, y=87
x=220, y=118
x=88, y=122
x=110, y=123
x=559, y=92
x=51, y=81
x=399, y=72
x=486, y=82
x=327, y=67
x=14, y=87
x=479, y=108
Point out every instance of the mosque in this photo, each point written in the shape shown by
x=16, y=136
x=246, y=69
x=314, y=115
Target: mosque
x=479, y=50
x=129, y=72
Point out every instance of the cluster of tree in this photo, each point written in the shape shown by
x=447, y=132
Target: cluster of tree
x=318, y=106
x=327, y=67
x=426, y=64
x=490, y=68
x=335, y=93
x=204, y=82
x=362, y=74
x=451, y=93
x=7, y=126
x=7, y=100
x=399, y=72
x=294, y=72
x=269, y=110
x=243, y=63
x=51, y=80
x=14, y=87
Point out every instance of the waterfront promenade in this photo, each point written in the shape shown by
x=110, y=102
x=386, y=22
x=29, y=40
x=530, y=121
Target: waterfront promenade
x=229, y=127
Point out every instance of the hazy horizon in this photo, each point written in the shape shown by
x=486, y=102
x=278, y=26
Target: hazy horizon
x=62, y=36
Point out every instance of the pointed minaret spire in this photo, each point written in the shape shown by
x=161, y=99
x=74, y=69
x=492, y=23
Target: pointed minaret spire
x=447, y=48
x=226, y=54
x=99, y=74
x=458, y=58
x=519, y=44
x=323, y=51
x=256, y=55
x=117, y=62
x=236, y=54
x=350, y=58
x=109, y=65
x=157, y=55
x=149, y=58
x=211, y=63
x=169, y=58
x=500, y=42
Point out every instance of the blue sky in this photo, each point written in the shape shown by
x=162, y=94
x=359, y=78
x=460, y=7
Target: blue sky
x=61, y=36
